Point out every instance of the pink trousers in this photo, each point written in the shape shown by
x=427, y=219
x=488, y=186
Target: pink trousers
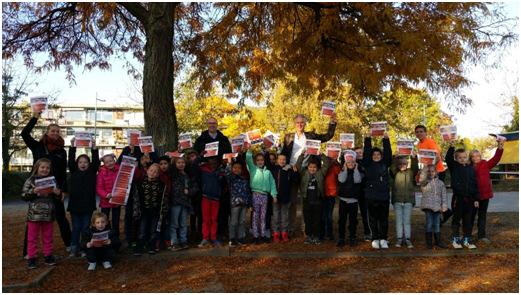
x=33, y=231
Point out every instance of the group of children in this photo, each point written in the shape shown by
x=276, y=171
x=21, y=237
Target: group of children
x=165, y=191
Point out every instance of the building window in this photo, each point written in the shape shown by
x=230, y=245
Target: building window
x=74, y=115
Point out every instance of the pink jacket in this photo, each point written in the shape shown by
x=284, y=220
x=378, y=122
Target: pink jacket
x=104, y=183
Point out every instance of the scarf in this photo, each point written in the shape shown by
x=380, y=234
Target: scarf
x=52, y=145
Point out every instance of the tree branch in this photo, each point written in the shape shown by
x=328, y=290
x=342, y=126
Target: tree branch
x=137, y=10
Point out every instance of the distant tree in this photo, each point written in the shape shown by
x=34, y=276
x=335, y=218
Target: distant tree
x=514, y=122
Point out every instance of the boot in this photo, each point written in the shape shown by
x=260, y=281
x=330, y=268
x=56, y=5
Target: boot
x=438, y=242
x=285, y=237
x=428, y=240
x=276, y=237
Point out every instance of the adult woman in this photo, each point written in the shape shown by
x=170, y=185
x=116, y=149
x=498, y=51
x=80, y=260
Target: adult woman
x=51, y=146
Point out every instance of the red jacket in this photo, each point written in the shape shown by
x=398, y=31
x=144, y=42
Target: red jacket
x=104, y=183
x=167, y=180
x=483, y=175
x=331, y=180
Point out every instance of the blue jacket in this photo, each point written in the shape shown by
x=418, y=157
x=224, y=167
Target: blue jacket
x=240, y=192
x=212, y=182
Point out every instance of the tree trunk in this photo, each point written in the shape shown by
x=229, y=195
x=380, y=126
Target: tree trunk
x=158, y=77
x=7, y=133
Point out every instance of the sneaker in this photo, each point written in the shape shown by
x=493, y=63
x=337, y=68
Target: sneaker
x=316, y=241
x=83, y=254
x=285, y=237
x=308, y=240
x=276, y=237
x=409, y=244
x=485, y=240
x=204, y=243
x=152, y=251
x=384, y=244
x=92, y=266
x=50, y=260
x=398, y=243
x=175, y=247
x=468, y=243
x=456, y=244
x=367, y=238
x=107, y=264
x=341, y=243
x=241, y=241
x=352, y=242
x=375, y=244
x=68, y=249
x=31, y=263
x=232, y=243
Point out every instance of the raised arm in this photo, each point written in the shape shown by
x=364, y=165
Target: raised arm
x=368, y=146
x=388, y=154
x=330, y=133
x=423, y=176
x=95, y=160
x=249, y=162
x=496, y=158
x=326, y=163
x=26, y=134
x=72, y=159
x=414, y=165
x=449, y=158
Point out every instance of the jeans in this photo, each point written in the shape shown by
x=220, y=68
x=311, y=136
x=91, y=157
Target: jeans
x=79, y=223
x=482, y=218
x=328, y=204
x=178, y=224
x=33, y=231
x=148, y=229
x=312, y=213
x=95, y=254
x=403, y=219
x=210, y=211
x=345, y=209
x=260, y=203
x=378, y=218
x=432, y=221
x=280, y=220
x=115, y=219
x=238, y=222
x=463, y=211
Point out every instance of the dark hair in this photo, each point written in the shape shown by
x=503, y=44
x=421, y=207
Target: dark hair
x=236, y=163
x=314, y=160
x=357, y=148
x=82, y=156
x=164, y=158
x=458, y=151
x=375, y=149
x=420, y=126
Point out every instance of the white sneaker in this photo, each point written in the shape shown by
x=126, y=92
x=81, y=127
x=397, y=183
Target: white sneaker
x=92, y=266
x=384, y=244
x=376, y=244
x=456, y=243
x=469, y=245
x=107, y=265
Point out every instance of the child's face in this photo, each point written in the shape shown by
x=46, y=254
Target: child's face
x=192, y=157
x=109, y=162
x=44, y=169
x=145, y=160
x=163, y=165
x=100, y=223
x=312, y=169
x=281, y=160
x=237, y=169
x=83, y=164
x=273, y=158
x=432, y=172
x=402, y=166
x=259, y=160
x=359, y=154
x=461, y=158
x=180, y=164
x=153, y=172
x=377, y=157
x=350, y=163
x=420, y=133
x=475, y=157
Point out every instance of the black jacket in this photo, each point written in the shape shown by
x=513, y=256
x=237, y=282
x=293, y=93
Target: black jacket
x=284, y=179
x=58, y=158
x=288, y=139
x=377, y=173
x=224, y=144
x=82, y=189
x=86, y=235
x=348, y=188
x=462, y=178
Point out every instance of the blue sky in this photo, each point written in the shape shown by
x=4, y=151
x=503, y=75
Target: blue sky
x=490, y=91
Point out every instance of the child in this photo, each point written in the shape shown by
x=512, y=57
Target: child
x=376, y=166
x=465, y=195
x=362, y=202
x=82, y=192
x=434, y=201
x=95, y=251
x=196, y=223
x=133, y=207
x=328, y=203
x=262, y=184
x=166, y=178
x=212, y=184
x=348, y=189
x=403, y=197
x=240, y=201
x=312, y=193
x=482, y=168
x=104, y=183
x=40, y=215
x=284, y=178
x=153, y=204
x=183, y=188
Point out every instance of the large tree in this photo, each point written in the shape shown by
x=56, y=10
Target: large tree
x=247, y=47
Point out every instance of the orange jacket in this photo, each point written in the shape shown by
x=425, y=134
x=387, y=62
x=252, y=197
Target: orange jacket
x=331, y=179
x=429, y=143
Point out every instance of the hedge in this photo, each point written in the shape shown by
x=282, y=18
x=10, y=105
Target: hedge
x=12, y=183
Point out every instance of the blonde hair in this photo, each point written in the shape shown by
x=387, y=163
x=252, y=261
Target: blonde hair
x=39, y=163
x=97, y=215
x=472, y=152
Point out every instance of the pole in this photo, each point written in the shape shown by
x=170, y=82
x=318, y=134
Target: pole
x=95, y=115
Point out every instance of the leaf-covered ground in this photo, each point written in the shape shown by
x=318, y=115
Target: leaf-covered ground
x=165, y=273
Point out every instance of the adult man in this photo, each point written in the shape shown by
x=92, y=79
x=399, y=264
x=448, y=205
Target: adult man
x=212, y=135
x=294, y=145
x=429, y=143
